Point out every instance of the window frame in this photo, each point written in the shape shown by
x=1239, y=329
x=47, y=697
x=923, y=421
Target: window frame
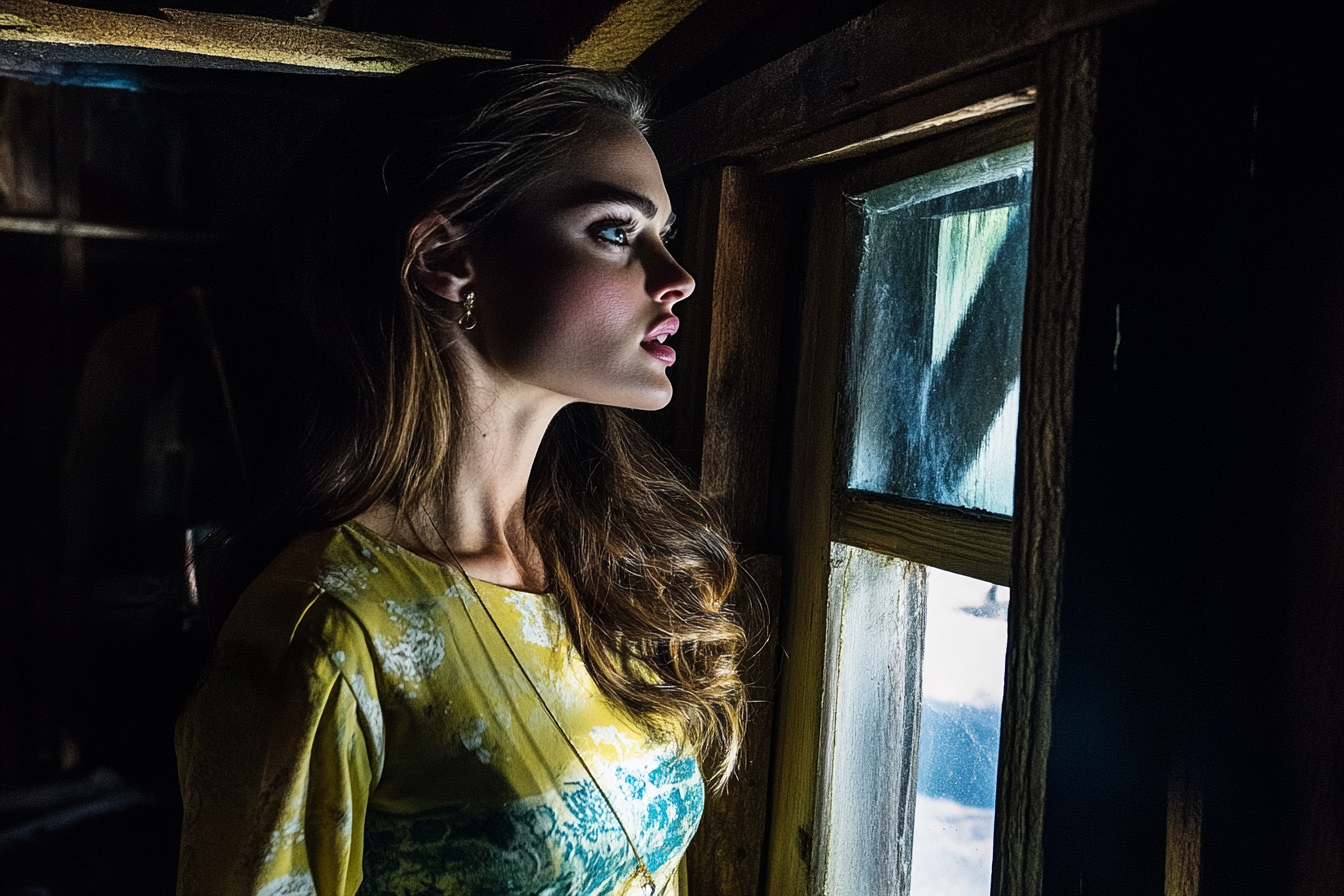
x=961, y=541
x=750, y=245
x=969, y=542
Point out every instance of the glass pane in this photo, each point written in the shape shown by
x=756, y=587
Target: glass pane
x=911, y=728
x=942, y=270
x=965, y=646
x=875, y=630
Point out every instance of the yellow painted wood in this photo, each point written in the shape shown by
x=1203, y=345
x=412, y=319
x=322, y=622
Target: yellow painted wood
x=629, y=30
x=969, y=544
x=224, y=36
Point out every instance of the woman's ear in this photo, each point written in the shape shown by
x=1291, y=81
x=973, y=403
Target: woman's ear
x=440, y=262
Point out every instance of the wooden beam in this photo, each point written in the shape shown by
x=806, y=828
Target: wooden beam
x=629, y=30
x=37, y=34
x=749, y=275
x=67, y=227
x=803, y=623
x=1061, y=195
x=900, y=49
x=964, y=542
x=750, y=222
x=918, y=118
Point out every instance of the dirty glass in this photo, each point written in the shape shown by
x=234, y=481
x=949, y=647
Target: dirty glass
x=941, y=273
x=875, y=632
x=911, y=728
x=961, y=706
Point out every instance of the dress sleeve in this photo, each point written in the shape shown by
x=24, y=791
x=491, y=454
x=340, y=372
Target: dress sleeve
x=318, y=754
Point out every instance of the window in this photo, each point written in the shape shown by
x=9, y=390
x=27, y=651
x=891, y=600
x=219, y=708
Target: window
x=926, y=253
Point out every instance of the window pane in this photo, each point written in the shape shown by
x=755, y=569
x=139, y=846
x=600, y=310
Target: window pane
x=911, y=737
x=942, y=270
x=965, y=646
x=875, y=630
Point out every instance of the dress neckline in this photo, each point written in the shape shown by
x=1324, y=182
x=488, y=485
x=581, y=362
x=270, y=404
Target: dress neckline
x=363, y=531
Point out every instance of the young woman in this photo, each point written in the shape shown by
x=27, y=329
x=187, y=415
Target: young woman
x=496, y=655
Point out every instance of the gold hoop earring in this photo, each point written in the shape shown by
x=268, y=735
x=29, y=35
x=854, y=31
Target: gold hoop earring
x=468, y=320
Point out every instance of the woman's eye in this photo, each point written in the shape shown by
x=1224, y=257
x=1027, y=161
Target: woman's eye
x=616, y=234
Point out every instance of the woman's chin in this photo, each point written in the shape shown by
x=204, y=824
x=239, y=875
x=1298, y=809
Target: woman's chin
x=654, y=398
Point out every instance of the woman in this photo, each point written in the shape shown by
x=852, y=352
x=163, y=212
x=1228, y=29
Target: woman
x=492, y=660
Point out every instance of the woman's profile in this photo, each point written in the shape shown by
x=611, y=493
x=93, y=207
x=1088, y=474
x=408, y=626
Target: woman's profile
x=494, y=655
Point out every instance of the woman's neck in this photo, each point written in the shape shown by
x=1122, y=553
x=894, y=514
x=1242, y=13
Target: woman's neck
x=481, y=519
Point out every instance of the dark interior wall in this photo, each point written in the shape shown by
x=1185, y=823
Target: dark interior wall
x=184, y=168
x=114, y=440
x=1204, y=559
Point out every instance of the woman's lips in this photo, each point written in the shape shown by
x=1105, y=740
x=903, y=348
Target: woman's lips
x=665, y=353
x=653, y=341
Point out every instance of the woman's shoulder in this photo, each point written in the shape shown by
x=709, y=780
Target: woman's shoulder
x=364, y=577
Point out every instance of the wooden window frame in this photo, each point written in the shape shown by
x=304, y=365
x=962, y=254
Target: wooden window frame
x=961, y=541
x=748, y=230
x=1023, y=551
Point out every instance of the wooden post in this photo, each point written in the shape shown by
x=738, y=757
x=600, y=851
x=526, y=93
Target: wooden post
x=1059, y=209
x=745, y=281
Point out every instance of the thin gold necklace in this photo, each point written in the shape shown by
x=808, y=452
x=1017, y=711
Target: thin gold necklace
x=643, y=876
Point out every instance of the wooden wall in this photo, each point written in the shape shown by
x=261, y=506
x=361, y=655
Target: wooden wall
x=1197, y=721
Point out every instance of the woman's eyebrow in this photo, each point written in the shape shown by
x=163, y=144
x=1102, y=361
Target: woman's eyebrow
x=596, y=193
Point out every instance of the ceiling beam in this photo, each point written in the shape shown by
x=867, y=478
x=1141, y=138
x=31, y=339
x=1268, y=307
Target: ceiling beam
x=629, y=30
x=900, y=49
x=38, y=36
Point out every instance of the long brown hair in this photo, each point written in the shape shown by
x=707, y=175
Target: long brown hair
x=636, y=558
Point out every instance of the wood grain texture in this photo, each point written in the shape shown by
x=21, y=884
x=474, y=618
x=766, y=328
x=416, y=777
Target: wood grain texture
x=902, y=48
x=744, y=351
x=952, y=106
x=967, y=543
x=725, y=857
x=1185, y=824
x=48, y=32
x=749, y=220
x=803, y=622
x=629, y=30
x=1060, y=199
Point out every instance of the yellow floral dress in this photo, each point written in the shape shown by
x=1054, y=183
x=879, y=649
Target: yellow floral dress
x=368, y=726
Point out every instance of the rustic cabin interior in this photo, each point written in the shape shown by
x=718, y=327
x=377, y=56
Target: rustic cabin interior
x=1016, y=361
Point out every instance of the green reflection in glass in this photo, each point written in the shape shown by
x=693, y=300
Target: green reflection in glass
x=937, y=332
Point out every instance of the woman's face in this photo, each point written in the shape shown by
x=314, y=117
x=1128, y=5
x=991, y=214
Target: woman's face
x=575, y=299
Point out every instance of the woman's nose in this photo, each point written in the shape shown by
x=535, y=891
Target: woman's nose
x=670, y=282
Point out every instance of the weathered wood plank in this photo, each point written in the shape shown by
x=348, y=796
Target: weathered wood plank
x=38, y=32
x=967, y=543
x=726, y=855
x=1185, y=827
x=628, y=30
x=744, y=352
x=900, y=49
x=749, y=225
x=953, y=106
x=803, y=623
x=1059, y=210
